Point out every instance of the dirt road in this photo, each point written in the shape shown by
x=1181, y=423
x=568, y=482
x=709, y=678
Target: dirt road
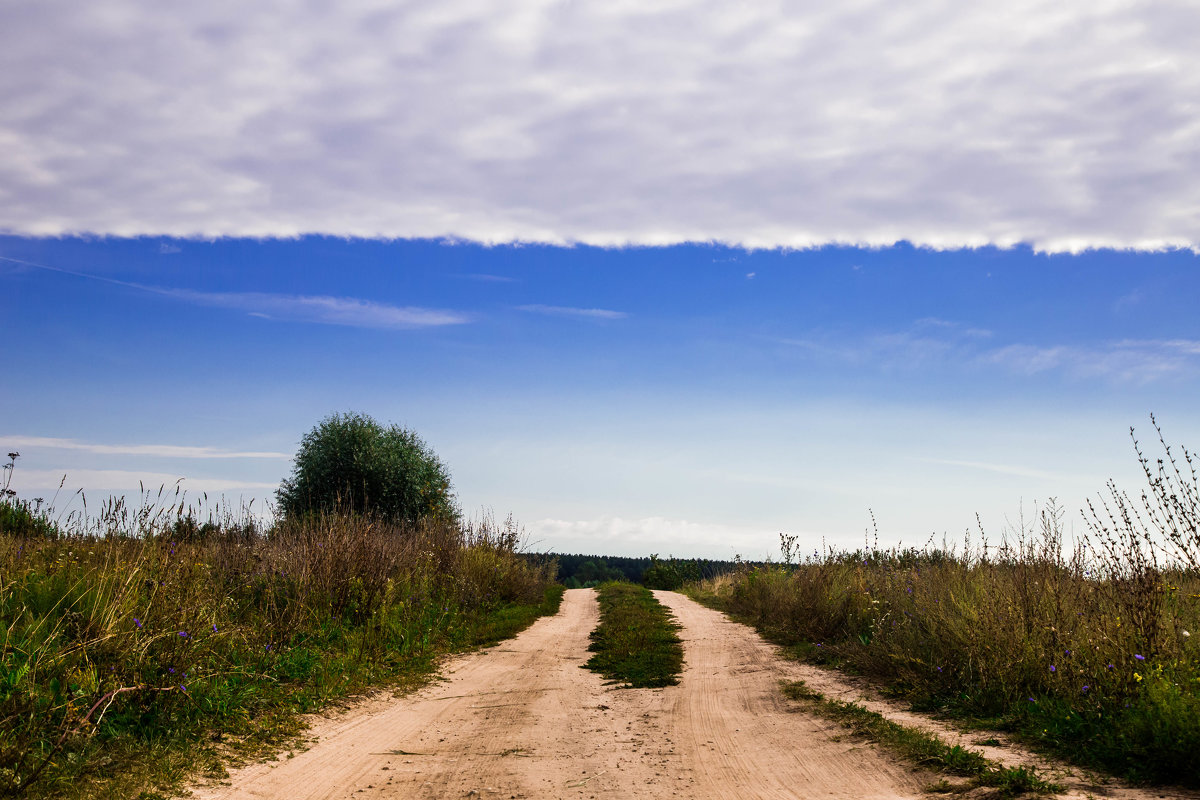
x=523, y=720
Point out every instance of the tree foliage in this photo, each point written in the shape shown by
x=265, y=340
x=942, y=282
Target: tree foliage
x=351, y=463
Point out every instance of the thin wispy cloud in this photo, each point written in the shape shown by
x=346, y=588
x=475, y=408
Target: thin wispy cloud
x=1000, y=469
x=1126, y=361
x=1067, y=126
x=487, y=278
x=348, y=311
x=567, y=311
x=35, y=480
x=325, y=310
x=158, y=450
x=937, y=343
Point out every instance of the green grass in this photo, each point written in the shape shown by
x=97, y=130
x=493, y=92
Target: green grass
x=635, y=643
x=921, y=747
x=128, y=662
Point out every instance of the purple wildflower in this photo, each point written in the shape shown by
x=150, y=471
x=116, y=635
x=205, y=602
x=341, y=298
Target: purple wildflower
x=137, y=622
x=1053, y=668
x=214, y=627
x=1139, y=657
x=183, y=634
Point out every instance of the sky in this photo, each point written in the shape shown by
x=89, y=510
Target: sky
x=667, y=278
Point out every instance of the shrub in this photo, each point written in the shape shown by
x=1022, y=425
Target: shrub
x=351, y=463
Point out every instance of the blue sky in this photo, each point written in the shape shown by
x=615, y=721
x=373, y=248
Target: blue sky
x=690, y=399
x=662, y=277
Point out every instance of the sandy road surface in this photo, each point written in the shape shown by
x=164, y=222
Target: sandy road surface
x=524, y=720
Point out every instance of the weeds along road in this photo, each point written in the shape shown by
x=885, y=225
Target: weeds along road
x=523, y=720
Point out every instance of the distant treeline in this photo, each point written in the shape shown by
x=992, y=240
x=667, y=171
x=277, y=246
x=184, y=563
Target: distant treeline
x=577, y=570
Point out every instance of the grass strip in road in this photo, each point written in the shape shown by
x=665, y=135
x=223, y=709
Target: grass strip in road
x=923, y=748
x=636, y=642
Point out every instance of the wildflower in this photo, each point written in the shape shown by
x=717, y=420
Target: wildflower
x=1139, y=677
x=181, y=686
x=1139, y=657
x=1110, y=666
x=1053, y=669
x=137, y=622
x=214, y=627
x=1032, y=700
x=1066, y=652
x=183, y=634
x=171, y=670
x=1085, y=688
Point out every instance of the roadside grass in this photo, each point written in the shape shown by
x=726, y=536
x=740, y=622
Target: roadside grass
x=636, y=642
x=1085, y=650
x=141, y=648
x=921, y=747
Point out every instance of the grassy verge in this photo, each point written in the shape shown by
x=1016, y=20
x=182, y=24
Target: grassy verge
x=923, y=748
x=1087, y=646
x=147, y=648
x=635, y=642
x=1104, y=673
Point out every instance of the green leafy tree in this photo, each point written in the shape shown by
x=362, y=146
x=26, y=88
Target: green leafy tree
x=351, y=463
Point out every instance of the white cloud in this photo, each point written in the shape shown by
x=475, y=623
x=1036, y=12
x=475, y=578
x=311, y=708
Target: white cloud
x=565, y=311
x=160, y=450
x=1067, y=125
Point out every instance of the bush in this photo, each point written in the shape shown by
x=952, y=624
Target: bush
x=351, y=463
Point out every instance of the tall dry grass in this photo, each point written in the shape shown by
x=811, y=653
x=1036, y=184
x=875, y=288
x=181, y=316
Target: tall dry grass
x=1085, y=647
x=139, y=643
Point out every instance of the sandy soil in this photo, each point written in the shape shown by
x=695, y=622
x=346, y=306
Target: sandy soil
x=523, y=720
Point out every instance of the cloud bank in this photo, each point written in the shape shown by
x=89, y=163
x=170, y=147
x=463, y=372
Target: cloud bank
x=1064, y=125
